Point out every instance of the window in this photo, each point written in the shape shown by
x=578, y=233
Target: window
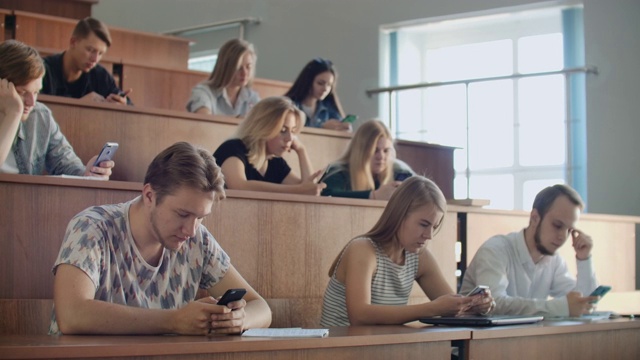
x=203, y=62
x=497, y=91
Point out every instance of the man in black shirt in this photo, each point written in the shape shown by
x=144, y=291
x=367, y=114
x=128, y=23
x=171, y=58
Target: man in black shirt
x=76, y=73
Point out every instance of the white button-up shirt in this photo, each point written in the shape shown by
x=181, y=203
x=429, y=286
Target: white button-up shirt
x=522, y=287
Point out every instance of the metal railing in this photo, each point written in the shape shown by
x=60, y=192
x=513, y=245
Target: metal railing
x=241, y=23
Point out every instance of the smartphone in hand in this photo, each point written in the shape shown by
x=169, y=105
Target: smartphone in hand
x=108, y=151
x=480, y=289
x=350, y=119
x=600, y=291
x=402, y=176
x=231, y=295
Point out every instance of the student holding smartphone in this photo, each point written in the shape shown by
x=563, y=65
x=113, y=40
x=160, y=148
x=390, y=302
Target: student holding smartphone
x=372, y=277
x=314, y=92
x=368, y=169
x=136, y=267
x=523, y=270
x=30, y=140
x=252, y=159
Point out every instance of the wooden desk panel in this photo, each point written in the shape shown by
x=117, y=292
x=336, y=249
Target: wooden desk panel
x=610, y=339
x=144, y=132
x=431, y=160
x=370, y=342
x=282, y=244
x=162, y=88
x=140, y=47
x=614, y=241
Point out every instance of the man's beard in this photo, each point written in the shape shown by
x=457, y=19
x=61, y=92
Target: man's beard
x=536, y=237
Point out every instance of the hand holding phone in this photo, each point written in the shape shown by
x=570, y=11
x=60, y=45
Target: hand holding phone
x=231, y=295
x=107, y=153
x=478, y=290
x=350, y=119
x=600, y=291
x=402, y=176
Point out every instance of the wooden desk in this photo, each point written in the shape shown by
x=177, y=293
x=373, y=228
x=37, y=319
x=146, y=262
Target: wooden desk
x=143, y=132
x=370, y=342
x=608, y=339
x=130, y=45
x=614, y=239
x=163, y=88
x=282, y=244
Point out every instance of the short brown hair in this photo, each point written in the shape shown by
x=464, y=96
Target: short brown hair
x=90, y=25
x=184, y=164
x=548, y=195
x=19, y=62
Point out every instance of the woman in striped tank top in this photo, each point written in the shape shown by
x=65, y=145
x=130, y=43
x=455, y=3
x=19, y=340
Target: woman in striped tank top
x=372, y=277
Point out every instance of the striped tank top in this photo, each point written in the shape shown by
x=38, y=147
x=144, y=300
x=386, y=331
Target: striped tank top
x=391, y=285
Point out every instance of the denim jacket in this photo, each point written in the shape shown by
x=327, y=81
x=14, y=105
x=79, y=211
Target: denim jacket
x=39, y=145
x=325, y=110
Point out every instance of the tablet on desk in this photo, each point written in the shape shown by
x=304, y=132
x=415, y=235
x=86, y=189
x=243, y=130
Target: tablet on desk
x=473, y=320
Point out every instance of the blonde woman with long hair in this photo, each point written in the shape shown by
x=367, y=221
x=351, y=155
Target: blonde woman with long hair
x=228, y=90
x=252, y=160
x=368, y=169
x=372, y=277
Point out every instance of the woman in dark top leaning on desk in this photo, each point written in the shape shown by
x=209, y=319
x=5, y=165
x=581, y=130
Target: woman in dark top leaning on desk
x=368, y=169
x=252, y=160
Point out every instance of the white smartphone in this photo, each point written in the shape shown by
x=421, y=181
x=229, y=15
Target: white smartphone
x=107, y=153
x=480, y=289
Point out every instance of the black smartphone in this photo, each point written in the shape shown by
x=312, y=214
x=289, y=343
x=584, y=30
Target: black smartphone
x=108, y=151
x=324, y=174
x=232, y=295
x=600, y=291
x=350, y=119
x=402, y=176
x=480, y=289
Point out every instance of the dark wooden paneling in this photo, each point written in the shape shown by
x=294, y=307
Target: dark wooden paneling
x=74, y=9
x=430, y=160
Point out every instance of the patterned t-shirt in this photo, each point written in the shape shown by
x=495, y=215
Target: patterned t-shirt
x=98, y=241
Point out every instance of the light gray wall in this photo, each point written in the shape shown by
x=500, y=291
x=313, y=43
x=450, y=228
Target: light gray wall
x=347, y=32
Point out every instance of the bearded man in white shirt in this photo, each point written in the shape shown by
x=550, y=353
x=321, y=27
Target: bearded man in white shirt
x=522, y=268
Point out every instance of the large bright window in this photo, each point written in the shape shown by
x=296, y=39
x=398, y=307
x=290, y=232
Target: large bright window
x=497, y=92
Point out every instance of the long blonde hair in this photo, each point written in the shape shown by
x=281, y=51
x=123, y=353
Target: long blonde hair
x=357, y=157
x=414, y=193
x=228, y=62
x=264, y=122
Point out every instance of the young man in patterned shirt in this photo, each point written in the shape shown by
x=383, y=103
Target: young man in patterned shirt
x=135, y=267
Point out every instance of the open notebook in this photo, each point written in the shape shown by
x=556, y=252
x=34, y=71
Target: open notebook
x=470, y=320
